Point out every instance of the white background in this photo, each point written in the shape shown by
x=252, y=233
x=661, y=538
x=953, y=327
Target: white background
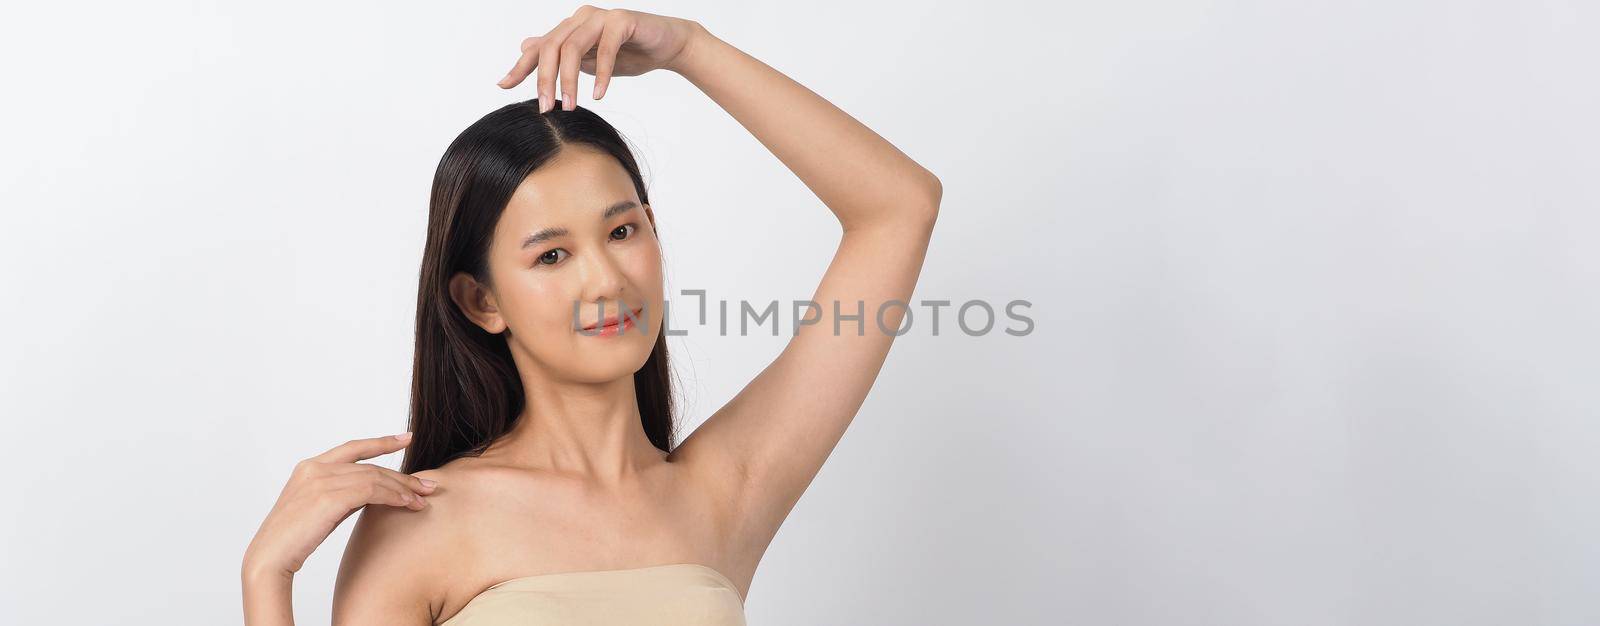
x=1314, y=286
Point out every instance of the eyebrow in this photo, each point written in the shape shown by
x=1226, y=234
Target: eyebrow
x=551, y=233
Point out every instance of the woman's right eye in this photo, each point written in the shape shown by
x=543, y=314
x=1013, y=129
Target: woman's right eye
x=551, y=258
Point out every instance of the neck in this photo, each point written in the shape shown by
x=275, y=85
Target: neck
x=587, y=431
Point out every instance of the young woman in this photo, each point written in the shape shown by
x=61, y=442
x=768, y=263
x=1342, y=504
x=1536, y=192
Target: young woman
x=541, y=483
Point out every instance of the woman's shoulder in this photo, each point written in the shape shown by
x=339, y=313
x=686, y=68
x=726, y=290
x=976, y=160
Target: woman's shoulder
x=459, y=486
x=466, y=488
x=402, y=556
x=455, y=483
x=465, y=478
x=393, y=555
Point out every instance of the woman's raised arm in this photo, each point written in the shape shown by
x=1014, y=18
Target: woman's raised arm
x=773, y=437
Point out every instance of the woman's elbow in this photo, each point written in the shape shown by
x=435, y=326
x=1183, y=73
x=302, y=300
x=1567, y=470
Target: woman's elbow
x=933, y=193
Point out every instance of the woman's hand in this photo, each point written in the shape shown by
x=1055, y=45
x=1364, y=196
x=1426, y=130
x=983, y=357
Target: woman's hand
x=321, y=493
x=603, y=43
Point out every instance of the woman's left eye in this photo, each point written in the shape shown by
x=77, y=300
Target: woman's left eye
x=629, y=228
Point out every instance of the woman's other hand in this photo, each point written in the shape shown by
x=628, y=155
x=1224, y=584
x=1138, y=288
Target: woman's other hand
x=603, y=43
x=322, y=491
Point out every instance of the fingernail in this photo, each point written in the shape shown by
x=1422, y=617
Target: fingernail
x=566, y=101
x=429, y=483
x=503, y=80
x=405, y=436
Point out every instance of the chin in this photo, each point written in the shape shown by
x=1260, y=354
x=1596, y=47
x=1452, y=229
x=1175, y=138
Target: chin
x=606, y=365
x=598, y=376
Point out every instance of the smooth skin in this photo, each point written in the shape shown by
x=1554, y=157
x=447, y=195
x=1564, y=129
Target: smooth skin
x=576, y=485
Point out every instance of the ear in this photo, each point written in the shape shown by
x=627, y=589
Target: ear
x=477, y=302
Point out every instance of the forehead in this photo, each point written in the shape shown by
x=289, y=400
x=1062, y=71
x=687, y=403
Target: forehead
x=579, y=181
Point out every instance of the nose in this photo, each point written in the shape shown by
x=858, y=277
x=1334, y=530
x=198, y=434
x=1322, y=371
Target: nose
x=603, y=279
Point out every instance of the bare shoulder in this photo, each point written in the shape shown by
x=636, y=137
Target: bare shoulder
x=390, y=571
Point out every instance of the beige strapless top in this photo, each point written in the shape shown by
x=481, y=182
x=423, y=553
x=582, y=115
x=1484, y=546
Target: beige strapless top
x=681, y=593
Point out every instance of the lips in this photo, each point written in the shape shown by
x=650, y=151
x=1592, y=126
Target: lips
x=614, y=323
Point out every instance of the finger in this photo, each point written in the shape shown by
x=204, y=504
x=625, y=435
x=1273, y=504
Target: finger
x=409, y=497
x=611, y=40
x=524, y=64
x=358, y=449
x=578, y=44
x=356, y=490
x=389, y=492
x=419, y=485
x=549, y=56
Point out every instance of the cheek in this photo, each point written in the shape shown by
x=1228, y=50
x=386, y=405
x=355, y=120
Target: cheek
x=642, y=264
x=542, y=300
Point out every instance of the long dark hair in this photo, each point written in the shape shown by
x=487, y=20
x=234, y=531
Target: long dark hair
x=465, y=392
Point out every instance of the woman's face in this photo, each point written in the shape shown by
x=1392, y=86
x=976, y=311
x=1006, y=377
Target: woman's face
x=574, y=232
